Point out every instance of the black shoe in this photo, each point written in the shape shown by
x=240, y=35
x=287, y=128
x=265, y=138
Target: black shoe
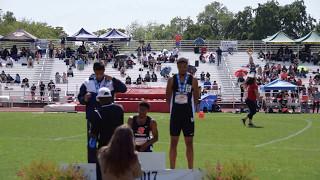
x=251, y=125
x=244, y=121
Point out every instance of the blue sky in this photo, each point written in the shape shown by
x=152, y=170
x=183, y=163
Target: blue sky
x=98, y=14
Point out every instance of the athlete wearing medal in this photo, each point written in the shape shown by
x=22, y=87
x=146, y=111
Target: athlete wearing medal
x=182, y=93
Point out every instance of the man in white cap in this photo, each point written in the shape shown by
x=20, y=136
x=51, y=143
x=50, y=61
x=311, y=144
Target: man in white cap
x=182, y=93
x=106, y=119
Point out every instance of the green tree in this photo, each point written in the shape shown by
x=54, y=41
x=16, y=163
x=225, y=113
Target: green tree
x=267, y=20
x=179, y=25
x=217, y=17
x=295, y=20
x=241, y=26
x=100, y=32
x=10, y=24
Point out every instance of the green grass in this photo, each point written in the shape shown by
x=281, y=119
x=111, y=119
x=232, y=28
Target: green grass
x=220, y=137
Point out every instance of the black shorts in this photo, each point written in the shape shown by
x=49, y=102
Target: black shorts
x=186, y=124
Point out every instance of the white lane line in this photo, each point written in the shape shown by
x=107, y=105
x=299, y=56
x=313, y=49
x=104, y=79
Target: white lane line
x=68, y=137
x=288, y=137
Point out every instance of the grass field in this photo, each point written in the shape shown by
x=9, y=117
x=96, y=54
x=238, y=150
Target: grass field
x=286, y=147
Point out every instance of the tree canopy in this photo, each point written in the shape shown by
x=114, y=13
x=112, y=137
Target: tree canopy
x=8, y=24
x=214, y=22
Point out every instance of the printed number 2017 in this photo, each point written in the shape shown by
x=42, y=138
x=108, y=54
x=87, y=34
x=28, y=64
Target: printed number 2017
x=149, y=175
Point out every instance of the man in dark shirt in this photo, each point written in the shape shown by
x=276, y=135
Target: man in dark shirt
x=106, y=119
x=219, y=55
x=42, y=89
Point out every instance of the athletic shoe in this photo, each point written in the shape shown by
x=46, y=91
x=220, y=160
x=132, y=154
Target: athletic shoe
x=251, y=125
x=244, y=121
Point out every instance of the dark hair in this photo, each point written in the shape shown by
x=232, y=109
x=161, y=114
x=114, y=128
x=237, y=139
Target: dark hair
x=250, y=80
x=98, y=66
x=144, y=104
x=118, y=159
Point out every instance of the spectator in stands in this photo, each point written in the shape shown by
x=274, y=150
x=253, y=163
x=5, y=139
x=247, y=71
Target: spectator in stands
x=175, y=52
x=70, y=72
x=63, y=42
x=118, y=162
x=25, y=83
x=145, y=61
x=51, y=48
x=215, y=85
x=202, y=76
x=18, y=79
x=3, y=77
x=128, y=80
x=202, y=58
x=9, y=79
x=88, y=93
x=219, y=55
x=9, y=62
x=105, y=120
x=64, y=78
x=30, y=62
x=147, y=77
x=316, y=100
x=207, y=84
x=144, y=128
x=58, y=78
x=211, y=58
x=303, y=73
x=5, y=54
x=51, y=85
x=122, y=71
x=42, y=87
x=33, y=91
x=154, y=77
x=14, y=52
x=149, y=48
x=139, y=80
x=208, y=75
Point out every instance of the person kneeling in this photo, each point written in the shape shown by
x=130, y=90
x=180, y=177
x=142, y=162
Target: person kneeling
x=143, y=126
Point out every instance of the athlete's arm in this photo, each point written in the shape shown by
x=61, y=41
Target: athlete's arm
x=169, y=90
x=154, y=130
x=130, y=119
x=195, y=91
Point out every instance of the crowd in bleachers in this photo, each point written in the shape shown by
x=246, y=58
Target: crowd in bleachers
x=287, y=55
x=7, y=57
x=293, y=73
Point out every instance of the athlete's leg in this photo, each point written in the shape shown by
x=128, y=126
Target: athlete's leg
x=189, y=151
x=173, y=151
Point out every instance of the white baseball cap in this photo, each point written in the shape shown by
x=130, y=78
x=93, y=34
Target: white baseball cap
x=103, y=92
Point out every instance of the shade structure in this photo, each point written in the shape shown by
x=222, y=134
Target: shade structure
x=199, y=41
x=279, y=85
x=115, y=35
x=20, y=35
x=311, y=38
x=279, y=38
x=83, y=35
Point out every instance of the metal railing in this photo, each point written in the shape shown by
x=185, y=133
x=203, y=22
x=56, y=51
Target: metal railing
x=228, y=71
x=185, y=45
